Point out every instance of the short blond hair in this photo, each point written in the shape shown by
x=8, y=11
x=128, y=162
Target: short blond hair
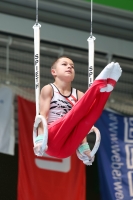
x=55, y=62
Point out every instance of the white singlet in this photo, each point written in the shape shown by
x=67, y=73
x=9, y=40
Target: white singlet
x=60, y=104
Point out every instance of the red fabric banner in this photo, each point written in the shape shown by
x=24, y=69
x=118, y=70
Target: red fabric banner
x=45, y=178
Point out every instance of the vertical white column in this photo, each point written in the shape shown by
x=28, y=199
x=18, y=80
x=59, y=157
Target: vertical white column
x=90, y=60
x=36, y=28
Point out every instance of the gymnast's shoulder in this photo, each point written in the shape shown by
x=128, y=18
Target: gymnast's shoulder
x=79, y=94
x=46, y=91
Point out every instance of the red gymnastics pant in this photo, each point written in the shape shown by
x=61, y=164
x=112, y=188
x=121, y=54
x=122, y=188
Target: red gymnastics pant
x=66, y=134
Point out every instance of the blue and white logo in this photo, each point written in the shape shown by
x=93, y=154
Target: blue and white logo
x=115, y=156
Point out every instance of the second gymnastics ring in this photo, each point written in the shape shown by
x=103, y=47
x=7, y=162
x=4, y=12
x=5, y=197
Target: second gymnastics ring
x=97, y=142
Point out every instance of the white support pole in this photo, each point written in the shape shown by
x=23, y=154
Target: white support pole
x=90, y=60
x=90, y=81
x=109, y=57
x=39, y=151
x=9, y=42
x=36, y=28
x=38, y=117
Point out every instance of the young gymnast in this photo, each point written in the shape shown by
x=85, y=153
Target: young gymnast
x=70, y=113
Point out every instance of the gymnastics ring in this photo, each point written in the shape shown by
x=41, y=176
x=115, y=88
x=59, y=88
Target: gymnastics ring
x=97, y=142
x=38, y=119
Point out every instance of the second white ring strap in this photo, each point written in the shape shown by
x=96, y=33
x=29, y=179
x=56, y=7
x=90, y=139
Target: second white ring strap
x=38, y=118
x=36, y=28
x=91, y=40
x=91, y=60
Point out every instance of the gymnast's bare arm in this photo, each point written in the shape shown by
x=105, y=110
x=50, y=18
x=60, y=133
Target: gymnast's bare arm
x=80, y=94
x=45, y=99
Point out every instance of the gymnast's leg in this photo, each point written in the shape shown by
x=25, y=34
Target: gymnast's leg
x=66, y=134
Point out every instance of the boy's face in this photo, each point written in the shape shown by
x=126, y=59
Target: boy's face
x=64, y=69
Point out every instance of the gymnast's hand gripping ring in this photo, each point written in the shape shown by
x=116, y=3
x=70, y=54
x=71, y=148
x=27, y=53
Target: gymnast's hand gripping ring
x=38, y=119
